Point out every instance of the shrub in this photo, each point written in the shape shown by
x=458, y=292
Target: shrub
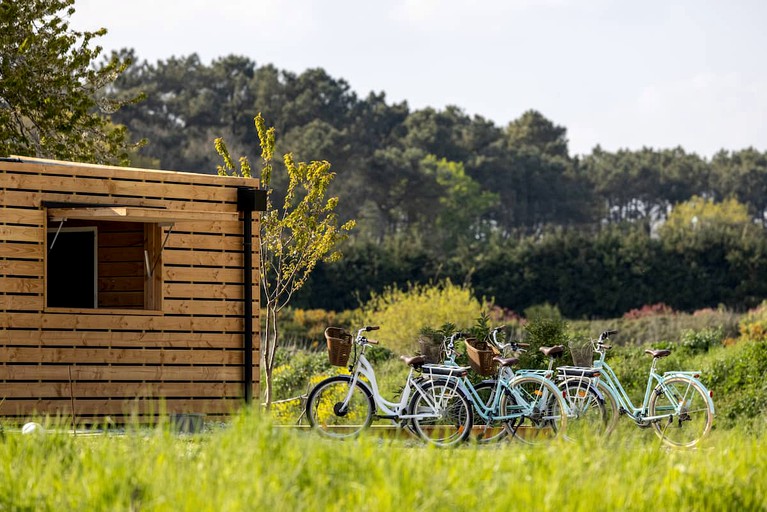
x=753, y=325
x=649, y=329
x=649, y=310
x=294, y=369
x=737, y=378
x=540, y=332
x=695, y=342
x=541, y=311
x=402, y=313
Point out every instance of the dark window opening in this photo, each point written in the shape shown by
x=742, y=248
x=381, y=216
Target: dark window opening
x=72, y=268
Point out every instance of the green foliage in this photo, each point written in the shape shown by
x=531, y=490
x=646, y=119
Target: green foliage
x=542, y=332
x=699, y=214
x=737, y=377
x=696, y=342
x=543, y=311
x=457, y=218
x=293, y=370
x=402, y=313
x=52, y=96
x=481, y=328
x=648, y=329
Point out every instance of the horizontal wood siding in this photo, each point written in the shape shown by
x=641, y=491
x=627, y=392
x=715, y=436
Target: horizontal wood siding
x=120, y=360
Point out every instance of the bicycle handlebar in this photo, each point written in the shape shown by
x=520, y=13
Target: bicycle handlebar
x=360, y=340
x=600, y=343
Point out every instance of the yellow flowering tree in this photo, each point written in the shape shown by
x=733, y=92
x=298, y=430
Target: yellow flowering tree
x=295, y=235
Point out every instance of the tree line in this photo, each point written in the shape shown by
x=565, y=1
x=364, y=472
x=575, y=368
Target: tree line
x=442, y=194
x=436, y=194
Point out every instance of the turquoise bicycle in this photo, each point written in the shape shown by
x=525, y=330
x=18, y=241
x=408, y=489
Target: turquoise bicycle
x=529, y=407
x=676, y=404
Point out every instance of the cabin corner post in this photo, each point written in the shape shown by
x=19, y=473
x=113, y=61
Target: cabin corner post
x=249, y=200
x=246, y=205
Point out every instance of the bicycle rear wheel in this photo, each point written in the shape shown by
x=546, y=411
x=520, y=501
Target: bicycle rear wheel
x=443, y=414
x=329, y=411
x=587, y=413
x=540, y=409
x=686, y=403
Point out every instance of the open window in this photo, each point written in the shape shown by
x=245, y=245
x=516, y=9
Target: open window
x=110, y=256
x=104, y=265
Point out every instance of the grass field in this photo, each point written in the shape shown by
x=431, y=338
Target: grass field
x=249, y=464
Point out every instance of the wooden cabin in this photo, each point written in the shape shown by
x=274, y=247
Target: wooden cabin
x=126, y=291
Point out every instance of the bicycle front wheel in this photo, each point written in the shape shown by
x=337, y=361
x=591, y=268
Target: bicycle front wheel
x=690, y=416
x=442, y=415
x=539, y=408
x=337, y=409
x=491, y=430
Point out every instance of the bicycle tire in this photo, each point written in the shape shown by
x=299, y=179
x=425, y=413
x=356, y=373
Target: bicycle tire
x=325, y=412
x=691, y=415
x=541, y=407
x=451, y=422
x=612, y=409
x=587, y=413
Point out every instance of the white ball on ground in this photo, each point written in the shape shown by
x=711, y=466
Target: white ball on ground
x=32, y=428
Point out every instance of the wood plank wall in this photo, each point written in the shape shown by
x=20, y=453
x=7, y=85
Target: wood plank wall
x=187, y=358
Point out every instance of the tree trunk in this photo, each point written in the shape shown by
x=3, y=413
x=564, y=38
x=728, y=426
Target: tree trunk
x=268, y=351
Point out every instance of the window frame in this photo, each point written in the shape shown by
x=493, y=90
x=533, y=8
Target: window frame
x=152, y=258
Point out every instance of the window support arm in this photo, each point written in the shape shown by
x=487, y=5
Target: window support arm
x=56, y=236
x=150, y=269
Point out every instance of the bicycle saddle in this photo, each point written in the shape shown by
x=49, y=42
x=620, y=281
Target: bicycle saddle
x=555, y=351
x=657, y=353
x=414, y=361
x=506, y=361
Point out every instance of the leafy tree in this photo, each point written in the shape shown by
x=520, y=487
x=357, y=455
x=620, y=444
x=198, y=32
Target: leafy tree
x=532, y=129
x=457, y=220
x=642, y=185
x=52, y=100
x=294, y=236
x=699, y=216
x=743, y=175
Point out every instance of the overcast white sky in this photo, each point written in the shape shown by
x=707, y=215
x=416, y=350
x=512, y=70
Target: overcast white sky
x=622, y=74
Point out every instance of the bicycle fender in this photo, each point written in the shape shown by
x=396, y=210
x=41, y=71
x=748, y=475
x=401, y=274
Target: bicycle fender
x=691, y=377
x=591, y=387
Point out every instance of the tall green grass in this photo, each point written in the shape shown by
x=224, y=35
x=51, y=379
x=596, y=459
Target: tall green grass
x=252, y=465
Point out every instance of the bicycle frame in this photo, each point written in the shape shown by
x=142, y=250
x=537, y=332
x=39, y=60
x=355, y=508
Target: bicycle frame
x=618, y=392
x=654, y=380
x=393, y=410
x=503, y=383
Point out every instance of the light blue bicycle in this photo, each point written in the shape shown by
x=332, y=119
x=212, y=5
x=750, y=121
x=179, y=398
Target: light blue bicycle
x=676, y=404
x=528, y=406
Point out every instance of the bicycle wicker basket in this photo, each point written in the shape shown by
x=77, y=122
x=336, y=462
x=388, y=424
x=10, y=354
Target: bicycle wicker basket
x=339, y=345
x=480, y=355
x=582, y=353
